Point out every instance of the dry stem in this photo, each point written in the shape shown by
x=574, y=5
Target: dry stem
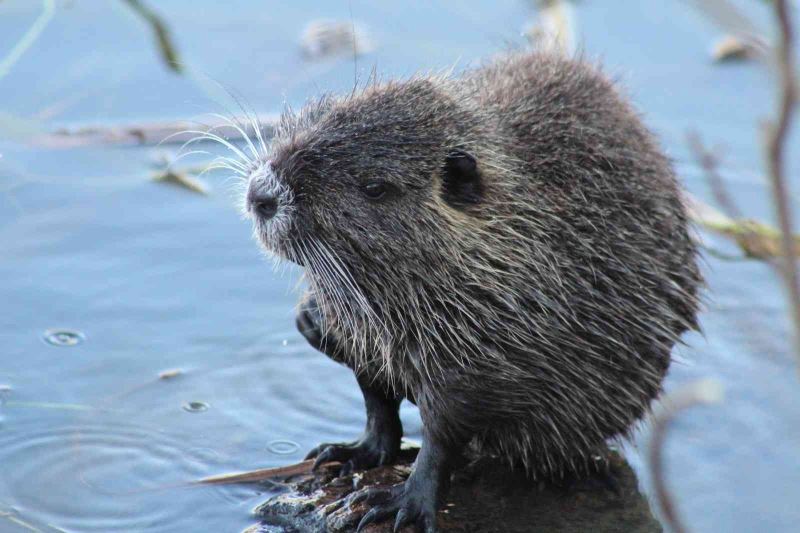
x=777, y=136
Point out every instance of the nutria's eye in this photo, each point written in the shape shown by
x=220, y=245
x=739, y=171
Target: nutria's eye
x=375, y=190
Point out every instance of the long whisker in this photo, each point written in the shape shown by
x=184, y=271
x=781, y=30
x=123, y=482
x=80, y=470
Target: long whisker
x=260, y=136
x=241, y=131
x=208, y=135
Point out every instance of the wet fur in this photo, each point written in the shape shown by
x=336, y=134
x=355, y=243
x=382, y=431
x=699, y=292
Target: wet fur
x=535, y=320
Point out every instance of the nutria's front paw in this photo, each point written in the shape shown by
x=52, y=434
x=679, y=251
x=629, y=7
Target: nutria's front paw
x=409, y=502
x=367, y=452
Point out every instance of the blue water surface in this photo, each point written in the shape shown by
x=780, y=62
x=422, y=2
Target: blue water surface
x=156, y=277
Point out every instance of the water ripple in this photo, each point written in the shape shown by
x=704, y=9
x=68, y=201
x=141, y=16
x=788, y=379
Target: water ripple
x=125, y=470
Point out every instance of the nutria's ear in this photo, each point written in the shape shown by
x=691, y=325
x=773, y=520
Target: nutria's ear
x=461, y=181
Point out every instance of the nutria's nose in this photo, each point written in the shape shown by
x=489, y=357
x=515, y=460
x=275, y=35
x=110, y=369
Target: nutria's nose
x=262, y=203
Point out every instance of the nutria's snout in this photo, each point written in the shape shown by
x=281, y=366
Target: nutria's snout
x=266, y=196
x=261, y=202
x=269, y=203
x=263, y=189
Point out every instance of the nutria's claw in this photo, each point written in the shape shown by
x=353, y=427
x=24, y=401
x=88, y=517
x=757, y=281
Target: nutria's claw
x=368, y=452
x=410, y=506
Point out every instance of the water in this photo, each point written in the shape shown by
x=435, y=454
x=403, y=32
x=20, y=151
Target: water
x=133, y=278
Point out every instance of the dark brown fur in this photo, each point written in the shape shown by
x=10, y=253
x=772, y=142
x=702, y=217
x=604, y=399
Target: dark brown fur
x=528, y=305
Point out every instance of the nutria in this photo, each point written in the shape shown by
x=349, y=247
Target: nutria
x=507, y=249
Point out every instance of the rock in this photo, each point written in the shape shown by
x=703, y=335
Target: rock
x=486, y=496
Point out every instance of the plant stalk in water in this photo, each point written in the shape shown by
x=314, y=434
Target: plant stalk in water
x=777, y=135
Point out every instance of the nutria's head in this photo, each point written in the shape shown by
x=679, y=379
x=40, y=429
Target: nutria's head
x=367, y=176
x=383, y=196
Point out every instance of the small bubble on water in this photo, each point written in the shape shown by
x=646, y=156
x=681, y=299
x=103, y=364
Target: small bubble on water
x=63, y=337
x=195, y=407
x=282, y=447
x=285, y=342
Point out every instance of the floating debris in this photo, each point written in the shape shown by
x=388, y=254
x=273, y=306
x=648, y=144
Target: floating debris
x=181, y=179
x=554, y=27
x=63, y=337
x=728, y=17
x=263, y=474
x=153, y=133
x=756, y=239
x=51, y=405
x=323, y=39
x=169, y=374
x=282, y=447
x=732, y=48
x=195, y=407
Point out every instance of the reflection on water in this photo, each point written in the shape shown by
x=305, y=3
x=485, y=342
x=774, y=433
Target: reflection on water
x=94, y=436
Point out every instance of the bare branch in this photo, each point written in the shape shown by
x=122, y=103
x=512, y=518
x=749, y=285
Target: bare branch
x=166, y=47
x=777, y=134
x=709, y=162
x=697, y=393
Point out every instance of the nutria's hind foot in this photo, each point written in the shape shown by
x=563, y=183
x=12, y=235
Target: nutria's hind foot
x=410, y=503
x=415, y=501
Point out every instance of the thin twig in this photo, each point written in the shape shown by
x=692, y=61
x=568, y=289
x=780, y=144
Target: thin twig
x=697, y=393
x=709, y=162
x=146, y=134
x=166, y=47
x=777, y=134
x=255, y=476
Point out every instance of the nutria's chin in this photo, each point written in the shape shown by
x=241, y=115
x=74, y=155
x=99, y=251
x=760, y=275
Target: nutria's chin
x=508, y=249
